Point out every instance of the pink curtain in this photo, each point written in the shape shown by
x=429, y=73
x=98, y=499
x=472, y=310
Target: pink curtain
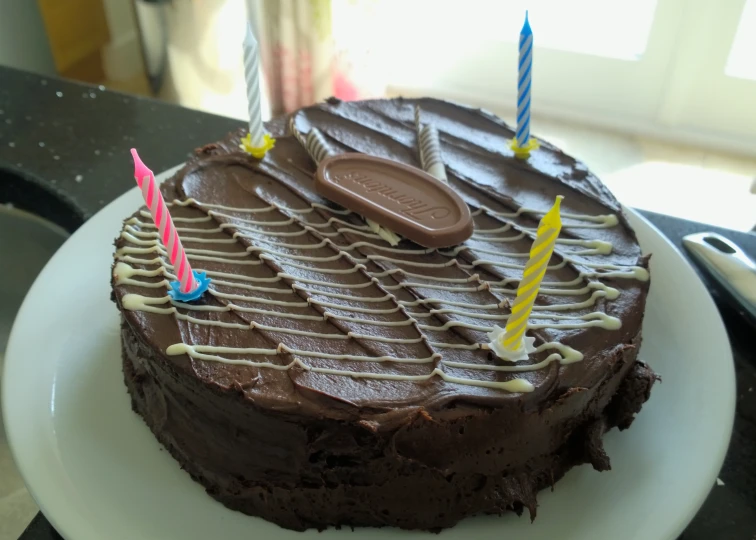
x=302, y=61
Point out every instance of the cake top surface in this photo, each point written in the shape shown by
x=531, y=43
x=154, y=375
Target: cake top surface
x=309, y=309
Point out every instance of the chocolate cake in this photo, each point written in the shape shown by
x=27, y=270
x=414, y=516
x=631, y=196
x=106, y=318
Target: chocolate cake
x=329, y=378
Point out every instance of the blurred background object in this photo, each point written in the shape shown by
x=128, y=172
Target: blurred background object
x=658, y=97
x=23, y=40
x=152, y=20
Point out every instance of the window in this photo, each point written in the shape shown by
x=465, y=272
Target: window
x=741, y=62
x=665, y=68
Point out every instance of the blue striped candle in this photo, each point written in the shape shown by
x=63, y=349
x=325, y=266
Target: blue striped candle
x=524, y=69
x=522, y=143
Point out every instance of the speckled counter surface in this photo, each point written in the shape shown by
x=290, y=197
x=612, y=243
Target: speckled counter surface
x=75, y=139
x=64, y=154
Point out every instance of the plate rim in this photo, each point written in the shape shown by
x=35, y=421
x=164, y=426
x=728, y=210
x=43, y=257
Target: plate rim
x=69, y=530
x=730, y=367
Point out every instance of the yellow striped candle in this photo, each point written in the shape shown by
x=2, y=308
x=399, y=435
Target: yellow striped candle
x=511, y=340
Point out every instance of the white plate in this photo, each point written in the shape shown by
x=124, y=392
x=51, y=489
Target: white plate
x=97, y=472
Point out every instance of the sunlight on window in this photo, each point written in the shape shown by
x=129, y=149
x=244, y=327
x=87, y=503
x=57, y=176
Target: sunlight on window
x=741, y=62
x=596, y=27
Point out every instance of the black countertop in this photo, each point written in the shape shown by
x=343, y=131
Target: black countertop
x=73, y=140
x=64, y=148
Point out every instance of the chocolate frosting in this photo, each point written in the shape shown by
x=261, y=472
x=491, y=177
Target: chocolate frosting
x=362, y=418
x=482, y=171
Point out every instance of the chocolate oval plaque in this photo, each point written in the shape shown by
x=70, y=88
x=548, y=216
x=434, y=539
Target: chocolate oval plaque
x=401, y=198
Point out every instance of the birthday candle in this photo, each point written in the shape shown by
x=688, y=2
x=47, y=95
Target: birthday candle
x=430, y=148
x=252, y=76
x=525, y=67
x=154, y=199
x=316, y=146
x=527, y=291
x=257, y=142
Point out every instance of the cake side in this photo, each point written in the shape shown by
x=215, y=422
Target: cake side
x=301, y=473
x=361, y=391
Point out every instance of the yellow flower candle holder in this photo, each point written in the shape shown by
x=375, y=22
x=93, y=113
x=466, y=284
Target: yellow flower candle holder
x=257, y=151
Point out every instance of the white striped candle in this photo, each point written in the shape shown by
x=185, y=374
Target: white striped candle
x=430, y=148
x=525, y=67
x=252, y=77
x=317, y=147
x=156, y=204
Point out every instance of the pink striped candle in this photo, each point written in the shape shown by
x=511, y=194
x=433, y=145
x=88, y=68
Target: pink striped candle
x=167, y=231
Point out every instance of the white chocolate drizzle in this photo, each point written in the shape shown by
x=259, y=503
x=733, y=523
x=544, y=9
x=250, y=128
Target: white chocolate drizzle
x=142, y=239
x=200, y=352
